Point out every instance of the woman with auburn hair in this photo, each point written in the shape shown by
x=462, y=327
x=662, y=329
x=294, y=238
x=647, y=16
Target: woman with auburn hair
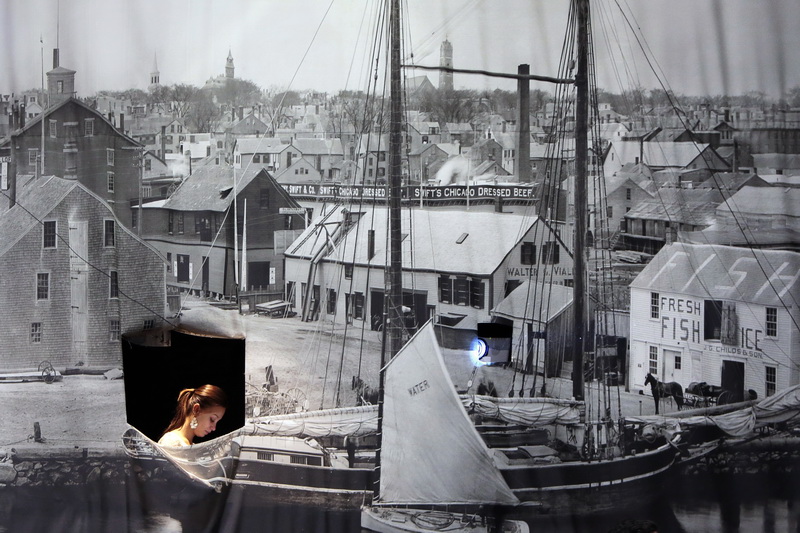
x=196, y=415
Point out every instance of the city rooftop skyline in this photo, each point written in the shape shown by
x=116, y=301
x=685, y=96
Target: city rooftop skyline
x=700, y=46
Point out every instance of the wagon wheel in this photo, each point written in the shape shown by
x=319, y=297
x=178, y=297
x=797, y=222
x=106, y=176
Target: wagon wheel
x=48, y=372
x=296, y=400
x=724, y=398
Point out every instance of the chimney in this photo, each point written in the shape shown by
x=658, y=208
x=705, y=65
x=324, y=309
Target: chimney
x=55, y=58
x=122, y=122
x=241, y=112
x=22, y=115
x=163, y=143
x=12, y=176
x=498, y=204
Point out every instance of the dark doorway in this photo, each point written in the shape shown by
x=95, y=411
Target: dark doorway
x=733, y=380
x=258, y=273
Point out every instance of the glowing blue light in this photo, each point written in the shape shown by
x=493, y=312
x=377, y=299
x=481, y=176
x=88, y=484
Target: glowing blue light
x=478, y=348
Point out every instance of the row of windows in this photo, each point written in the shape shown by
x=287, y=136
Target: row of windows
x=50, y=232
x=461, y=291
x=770, y=372
x=71, y=128
x=114, y=330
x=551, y=253
x=354, y=302
x=719, y=319
x=43, y=284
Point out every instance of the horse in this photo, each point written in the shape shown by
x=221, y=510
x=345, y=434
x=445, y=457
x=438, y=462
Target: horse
x=365, y=395
x=661, y=390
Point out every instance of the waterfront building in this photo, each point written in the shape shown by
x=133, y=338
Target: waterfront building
x=76, y=278
x=457, y=272
x=722, y=315
x=194, y=230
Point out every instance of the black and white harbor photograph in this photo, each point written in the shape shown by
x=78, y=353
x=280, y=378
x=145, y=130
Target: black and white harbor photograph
x=448, y=266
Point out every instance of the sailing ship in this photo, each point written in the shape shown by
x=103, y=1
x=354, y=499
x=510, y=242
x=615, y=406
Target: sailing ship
x=412, y=465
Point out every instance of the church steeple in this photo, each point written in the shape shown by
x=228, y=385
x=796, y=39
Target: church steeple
x=229, y=65
x=155, y=78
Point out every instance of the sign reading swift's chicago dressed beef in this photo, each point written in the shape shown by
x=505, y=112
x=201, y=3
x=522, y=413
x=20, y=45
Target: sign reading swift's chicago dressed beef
x=412, y=192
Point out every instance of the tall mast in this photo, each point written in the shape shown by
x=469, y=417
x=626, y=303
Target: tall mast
x=394, y=327
x=581, y=205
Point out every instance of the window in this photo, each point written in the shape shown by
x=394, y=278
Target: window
x=42, y=286
x=170, y=222
x=511, y=285
x=134, y=218
x=60, y=86
x=627, y=194
x=148, y=164
x=53, y=129
x=476, y=293
x=70, y=161
x=287, y=221
x=113, y=284
x=148, y=323
x=113, y=330
x=180, y=223
x=33, y=156
x=169, y=261
x=358, y=305
x=36, y=332
x=528, y=253
x=720, y=321
x=550, y=253
x=183, y=268
x=108, y=230
x=653, y=367
x=110, y=157
x=331, y=301
x=445, y=289
x=49, y=234
x=654, y=308
x=678, y=362
x=461, y=291
x=110, y=181
x=348, y=271
x=88, y=127
x=263, y=199
x=771, y=380
x=610, y=211
x=772, y=322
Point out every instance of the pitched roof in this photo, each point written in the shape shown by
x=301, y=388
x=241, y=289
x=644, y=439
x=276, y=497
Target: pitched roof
x=685, y=206
x=783, y=161
x=260, y=145
x=659, y=154
x=34, y=202
x=764, y=201
x=723, y=273
x=435, y=238
x=318, y=146
x=72, y=101
x=531, y=303
x=209, y=188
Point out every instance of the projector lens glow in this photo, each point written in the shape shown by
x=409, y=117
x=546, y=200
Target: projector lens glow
x=478, y=349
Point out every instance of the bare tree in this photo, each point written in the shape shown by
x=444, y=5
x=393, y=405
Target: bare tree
x=181, y=98
x=204, y=115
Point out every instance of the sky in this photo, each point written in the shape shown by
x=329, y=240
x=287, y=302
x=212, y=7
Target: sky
x=698, y=47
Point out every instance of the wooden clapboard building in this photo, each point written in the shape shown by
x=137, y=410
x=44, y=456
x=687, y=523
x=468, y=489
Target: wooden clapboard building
x=722, y=315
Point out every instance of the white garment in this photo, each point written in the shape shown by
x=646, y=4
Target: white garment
x=172, y=439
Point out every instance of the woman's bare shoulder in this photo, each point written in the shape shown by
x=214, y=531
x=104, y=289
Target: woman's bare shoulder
x=173, y=438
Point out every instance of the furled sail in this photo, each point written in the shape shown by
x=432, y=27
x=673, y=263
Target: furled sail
x=430, y=450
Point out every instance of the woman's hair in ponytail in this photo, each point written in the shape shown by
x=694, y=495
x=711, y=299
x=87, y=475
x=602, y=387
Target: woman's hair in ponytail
x=205, y=396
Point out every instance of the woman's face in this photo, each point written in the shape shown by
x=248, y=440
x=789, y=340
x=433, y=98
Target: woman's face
x=207, y=420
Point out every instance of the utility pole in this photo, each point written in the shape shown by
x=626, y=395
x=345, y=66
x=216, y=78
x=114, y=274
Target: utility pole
x=138, y=162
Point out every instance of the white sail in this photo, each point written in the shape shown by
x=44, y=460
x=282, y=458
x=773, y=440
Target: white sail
x=430, y=450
